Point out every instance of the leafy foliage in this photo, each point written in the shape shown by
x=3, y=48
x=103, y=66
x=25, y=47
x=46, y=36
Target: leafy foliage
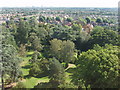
x=10, y=63
x=57, y=73
x=35, y=42
x=58, y=42
x=63, y=50
x=39, y=65
x=98, y=67
x=22, y=50
x=22, y=32
x=102, y=37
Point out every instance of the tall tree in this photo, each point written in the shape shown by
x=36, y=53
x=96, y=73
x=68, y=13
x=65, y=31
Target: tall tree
x=10, y=64
x=88, y=20
x=35, y=42
x=57, y=73
x=22, y=32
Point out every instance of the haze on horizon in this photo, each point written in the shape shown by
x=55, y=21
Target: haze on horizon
x=59, y=3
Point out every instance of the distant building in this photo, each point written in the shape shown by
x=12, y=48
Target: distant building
x=87, y=28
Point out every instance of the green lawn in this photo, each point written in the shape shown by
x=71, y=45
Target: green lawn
x=30, y=82
x=30, y=53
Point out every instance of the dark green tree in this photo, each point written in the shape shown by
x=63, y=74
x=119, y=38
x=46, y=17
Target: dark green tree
x=69, y=19
x=105, y=20
x=88, y=20
x=103, y=37
x=22, y=32
x=41, y=19
x=57, y=73
x=99, y=20
x=40, y=67
x=58, y=18
x=81, y=41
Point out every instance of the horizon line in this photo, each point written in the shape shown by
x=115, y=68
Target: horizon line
x=51, y=7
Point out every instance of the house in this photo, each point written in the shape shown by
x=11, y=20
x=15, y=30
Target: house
x=87, y=28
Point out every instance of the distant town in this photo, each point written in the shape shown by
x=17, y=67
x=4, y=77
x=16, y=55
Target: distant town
x=60, y=48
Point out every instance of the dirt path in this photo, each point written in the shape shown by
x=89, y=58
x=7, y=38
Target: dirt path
x=70, y=66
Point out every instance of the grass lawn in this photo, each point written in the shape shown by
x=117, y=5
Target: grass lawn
x=25, y=61
x=31, y=81
x=30, y=53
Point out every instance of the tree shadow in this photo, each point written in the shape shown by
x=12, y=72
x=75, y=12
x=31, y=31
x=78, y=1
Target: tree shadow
x=37, y=76
x=41, y=75
x=26, y=66
x=27, y=76
x=28, y=55
x=70, y=70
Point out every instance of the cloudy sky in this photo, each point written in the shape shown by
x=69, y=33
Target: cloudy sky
x=59, y=3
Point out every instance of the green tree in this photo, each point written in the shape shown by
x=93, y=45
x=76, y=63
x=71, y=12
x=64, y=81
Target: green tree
x=7, y=38
x=69, y=19
x=82, y=21
x=57, y=73
x=32, y=22
x=105, y=20
x=41, y=19
x=10, y=61
x=39, y=68
x=62, y=50
x=39, y=65
x=22, y=32
x=103, y=37
x=88, y=20
x=42, y=33
x=22, y=50
x=35, y=42
x=81, y=41
x=98, y=67
x=48, y=19
x=58, y=18
x=10, y=64
x=36, y=55
x=99, y=20
x=77, y=27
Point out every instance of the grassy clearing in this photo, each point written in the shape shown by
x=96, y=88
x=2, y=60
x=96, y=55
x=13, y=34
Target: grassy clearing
x=30, y=82
x=30, y=53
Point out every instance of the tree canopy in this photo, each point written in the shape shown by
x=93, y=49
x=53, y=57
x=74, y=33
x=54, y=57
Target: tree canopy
x=98, y=67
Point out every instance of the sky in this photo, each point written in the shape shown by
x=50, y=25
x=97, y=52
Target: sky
x=59, y=3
